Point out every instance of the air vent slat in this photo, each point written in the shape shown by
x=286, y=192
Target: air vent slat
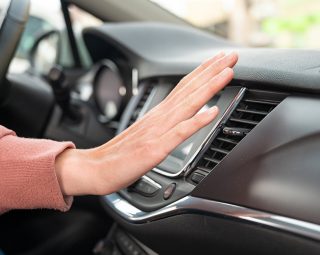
x=207, y=170
x=212, y=160
x=265, y=102
x=219, y=150
x=226, y=140
x=252, y=109
x=245, y=121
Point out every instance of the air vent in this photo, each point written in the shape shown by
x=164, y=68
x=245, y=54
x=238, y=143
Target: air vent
x=145, y=95
x=254, y=107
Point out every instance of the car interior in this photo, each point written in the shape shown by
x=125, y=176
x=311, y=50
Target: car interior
x=248, y=183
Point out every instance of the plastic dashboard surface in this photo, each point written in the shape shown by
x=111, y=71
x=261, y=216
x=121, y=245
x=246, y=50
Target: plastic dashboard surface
x=271, y=178
x=158, y=50
x=274, y=169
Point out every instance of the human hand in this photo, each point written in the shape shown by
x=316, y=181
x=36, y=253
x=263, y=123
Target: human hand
x=142, y=146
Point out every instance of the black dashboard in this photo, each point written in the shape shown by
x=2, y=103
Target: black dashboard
x=249, y=180
x=257, y=164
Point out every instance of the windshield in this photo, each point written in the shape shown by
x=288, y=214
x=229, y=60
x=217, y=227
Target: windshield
x=257, y=23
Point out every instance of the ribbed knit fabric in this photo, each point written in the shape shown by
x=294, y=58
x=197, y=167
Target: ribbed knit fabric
x=27, y=173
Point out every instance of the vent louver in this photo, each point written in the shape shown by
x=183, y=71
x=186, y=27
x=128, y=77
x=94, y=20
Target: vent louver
x=253, y=108
x=140, y=105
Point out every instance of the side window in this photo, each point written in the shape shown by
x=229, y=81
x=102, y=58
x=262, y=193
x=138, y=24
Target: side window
x=35, y=27
x=44, y=16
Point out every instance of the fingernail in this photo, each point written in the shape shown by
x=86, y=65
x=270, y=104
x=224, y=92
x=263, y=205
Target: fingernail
x=213, y=109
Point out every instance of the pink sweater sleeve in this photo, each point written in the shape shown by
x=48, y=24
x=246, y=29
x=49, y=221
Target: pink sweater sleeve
x=27, y=174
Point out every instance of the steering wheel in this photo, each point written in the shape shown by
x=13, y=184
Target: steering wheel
x=12, y=23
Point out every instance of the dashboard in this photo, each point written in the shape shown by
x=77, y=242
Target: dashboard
x=249, y=180
x=256, y=163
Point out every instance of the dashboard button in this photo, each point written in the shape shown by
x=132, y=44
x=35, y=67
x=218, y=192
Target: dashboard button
x=145, y=187
x=169, y=191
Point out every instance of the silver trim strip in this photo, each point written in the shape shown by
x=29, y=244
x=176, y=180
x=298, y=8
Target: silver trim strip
x=213, y=132
x=152, y=182
x=191, y=204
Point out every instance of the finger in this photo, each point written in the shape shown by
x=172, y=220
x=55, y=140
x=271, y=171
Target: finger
x=214, y=69
x=188, y=107
x=182, y=131
x=203, y=77
x=185, y=80
x=191, y=104
x=230, y=59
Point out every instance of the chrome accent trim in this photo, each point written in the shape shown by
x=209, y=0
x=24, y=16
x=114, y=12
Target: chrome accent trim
x=152, y=182
x=212, y=133
x=191, y=204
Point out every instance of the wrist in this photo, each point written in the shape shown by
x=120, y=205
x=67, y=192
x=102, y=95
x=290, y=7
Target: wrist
x=74, y=169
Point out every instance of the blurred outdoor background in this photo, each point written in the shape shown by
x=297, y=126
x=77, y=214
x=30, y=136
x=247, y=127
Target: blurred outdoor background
x=266, y=23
